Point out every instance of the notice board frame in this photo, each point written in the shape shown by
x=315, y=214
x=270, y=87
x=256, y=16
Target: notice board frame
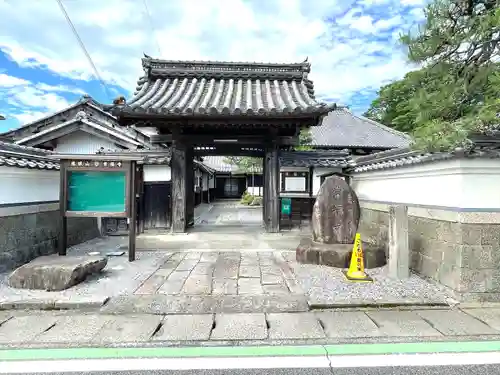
x=99, y=163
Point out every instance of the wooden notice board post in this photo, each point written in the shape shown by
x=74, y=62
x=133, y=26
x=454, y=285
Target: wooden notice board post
x=97, y=186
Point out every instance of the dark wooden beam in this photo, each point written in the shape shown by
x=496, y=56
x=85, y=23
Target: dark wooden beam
x=271, y=188
x=214, y=140
x=62, y=242
x=190, y=196
x=132, y=225
x=178, y=170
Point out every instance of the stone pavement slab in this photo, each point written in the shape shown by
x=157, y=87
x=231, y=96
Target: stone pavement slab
x=224, y=286
x=73, y=328
x=22, y=329
x=239, y=327
x=454, y=322
x=402, y=323
x=185, y=328
x=294, y=326
x=249, y=286
x=128, y=329
x=151, y=285
x=4, y=316
x=197, y=284
x=353, y=324
x=488, y=316
x=177, y=304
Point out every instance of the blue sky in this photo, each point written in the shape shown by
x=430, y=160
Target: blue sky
x=352, y=45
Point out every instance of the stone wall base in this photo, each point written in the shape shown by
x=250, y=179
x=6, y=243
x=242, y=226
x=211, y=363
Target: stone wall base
x=462, y=256
x=26, y=236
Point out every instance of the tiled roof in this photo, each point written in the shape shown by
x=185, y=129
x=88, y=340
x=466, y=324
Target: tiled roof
x=218, y=164
x=224, y=88
x=343, y=129
x=406, y=157
x=150, y=156
x=12, y=155
x=204, y=167
x=314, y=159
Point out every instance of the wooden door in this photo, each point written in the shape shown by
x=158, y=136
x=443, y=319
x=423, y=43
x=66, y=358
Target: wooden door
x=157, y=205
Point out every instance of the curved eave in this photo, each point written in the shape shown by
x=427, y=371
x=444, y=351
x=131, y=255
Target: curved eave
x=213, y=113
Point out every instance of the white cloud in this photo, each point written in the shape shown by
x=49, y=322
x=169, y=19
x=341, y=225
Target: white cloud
x=27, y=101
x=116, y=32
x=9, y=81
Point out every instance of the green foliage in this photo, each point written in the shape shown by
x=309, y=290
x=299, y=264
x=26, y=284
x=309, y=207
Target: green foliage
x=457, y=90
x=248, y=164
x=245, y=164
x=246, y=198
x=305, y=140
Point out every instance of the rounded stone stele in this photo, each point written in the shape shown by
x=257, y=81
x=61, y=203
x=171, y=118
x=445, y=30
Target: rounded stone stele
x=338, y=255
x=336, y=213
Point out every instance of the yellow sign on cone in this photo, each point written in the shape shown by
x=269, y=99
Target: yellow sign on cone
x=356, y=271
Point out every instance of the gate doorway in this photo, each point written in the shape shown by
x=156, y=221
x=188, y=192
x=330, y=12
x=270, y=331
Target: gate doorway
x=157, y=203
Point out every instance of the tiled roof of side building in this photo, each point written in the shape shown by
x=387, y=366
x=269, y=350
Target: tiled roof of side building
x=343, y=129
x=404, y=157
x=224, y=88
x=12, y=155
x=326, y=159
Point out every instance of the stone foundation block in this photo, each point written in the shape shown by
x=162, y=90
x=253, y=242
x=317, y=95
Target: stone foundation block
x=337, y=255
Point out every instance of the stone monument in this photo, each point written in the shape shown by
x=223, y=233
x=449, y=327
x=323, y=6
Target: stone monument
x=335, y=221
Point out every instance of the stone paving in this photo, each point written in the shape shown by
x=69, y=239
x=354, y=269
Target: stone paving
x=66, y=329
x=227, y=263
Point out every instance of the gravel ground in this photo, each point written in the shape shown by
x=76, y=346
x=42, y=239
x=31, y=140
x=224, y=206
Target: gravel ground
x=328, y=286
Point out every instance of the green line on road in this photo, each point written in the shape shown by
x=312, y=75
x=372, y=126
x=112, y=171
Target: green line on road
x=249, y=351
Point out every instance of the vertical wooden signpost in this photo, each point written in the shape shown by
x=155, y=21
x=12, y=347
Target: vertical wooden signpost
x=96, y=187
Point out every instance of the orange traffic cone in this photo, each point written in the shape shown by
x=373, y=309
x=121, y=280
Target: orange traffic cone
x=356, y=271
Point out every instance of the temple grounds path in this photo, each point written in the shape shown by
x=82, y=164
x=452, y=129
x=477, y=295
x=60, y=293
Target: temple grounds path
x=225, y=264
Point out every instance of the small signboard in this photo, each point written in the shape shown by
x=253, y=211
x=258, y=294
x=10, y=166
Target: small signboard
x=99, y=186
x=286, y=206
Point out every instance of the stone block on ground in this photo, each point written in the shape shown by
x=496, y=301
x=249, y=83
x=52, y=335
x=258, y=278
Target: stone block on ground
x=55, y=273
x=337, y=255
x=25, y=328
x=240, y=327
x=185, y=328
x=454, y=323
x=294, y=326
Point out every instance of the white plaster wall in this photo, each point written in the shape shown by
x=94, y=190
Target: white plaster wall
x=465, y=183
x=211, y=182
x=20, y=185
x=317, y=173
x=255, y=190
x=157, y=173
x=82, y=143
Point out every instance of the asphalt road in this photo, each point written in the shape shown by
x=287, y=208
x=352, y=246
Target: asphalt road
x=389, y=364
x=440, y=370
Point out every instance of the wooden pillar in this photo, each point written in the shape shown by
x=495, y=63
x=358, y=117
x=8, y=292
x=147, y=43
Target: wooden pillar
x=190, y=195
x=140, y=190
x=62, y=242
x=271, y=188
x=178, y=166
x=132, y=225
x=264, y=194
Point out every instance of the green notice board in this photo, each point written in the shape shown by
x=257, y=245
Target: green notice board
x=286, y=206
x=96, y=191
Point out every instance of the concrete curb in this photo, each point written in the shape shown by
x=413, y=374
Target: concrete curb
x=256, y=343
x=54, y=304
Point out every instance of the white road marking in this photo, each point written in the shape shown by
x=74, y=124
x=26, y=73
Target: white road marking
x=343, y=361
